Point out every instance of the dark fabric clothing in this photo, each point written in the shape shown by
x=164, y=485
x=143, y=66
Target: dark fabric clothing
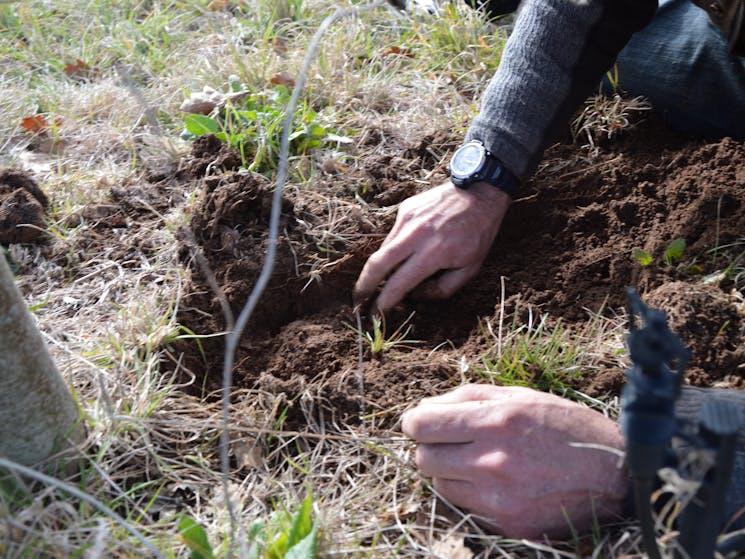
x=554, y=59
x=560, y=51
x=681, y=64
x=687, y=407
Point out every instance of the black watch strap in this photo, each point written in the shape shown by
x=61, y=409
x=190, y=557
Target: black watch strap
x=496, y=174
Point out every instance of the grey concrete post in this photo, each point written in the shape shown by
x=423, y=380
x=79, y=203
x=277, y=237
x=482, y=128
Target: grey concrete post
x=37, y=412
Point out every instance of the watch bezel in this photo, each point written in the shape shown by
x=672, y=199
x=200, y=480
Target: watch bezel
x=458, y=176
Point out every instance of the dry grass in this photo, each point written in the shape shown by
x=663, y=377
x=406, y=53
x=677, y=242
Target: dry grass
x=603, y=119
x=152, y=450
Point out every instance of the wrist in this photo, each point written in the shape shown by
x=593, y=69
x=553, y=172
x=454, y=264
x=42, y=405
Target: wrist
x=489, y=194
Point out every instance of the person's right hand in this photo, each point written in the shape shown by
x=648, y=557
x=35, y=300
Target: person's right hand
x=445, y=229
x=527, y=463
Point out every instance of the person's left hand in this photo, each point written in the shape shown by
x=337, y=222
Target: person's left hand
x=508, y=455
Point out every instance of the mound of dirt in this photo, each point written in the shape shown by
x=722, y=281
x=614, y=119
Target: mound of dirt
x=565, y=250
x=710, y=321
x=22, y=205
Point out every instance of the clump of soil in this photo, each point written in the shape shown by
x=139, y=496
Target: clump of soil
x=564, y=250
x=711, y=322
x=22, y=205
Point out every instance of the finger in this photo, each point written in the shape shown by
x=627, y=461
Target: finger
x=469, y=393
x=411, y=273
x=448, y=423
x=471, y=497
x=398, y=225
x=447, y=283
x=444, y=460
x=453, y=490
x=377, y=267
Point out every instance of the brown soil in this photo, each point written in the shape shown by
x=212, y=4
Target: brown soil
x=22, y=204
x=564, y=250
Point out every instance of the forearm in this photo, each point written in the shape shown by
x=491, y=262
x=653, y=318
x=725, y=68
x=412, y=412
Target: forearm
x=555, y=57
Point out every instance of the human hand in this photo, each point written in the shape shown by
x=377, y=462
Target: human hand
x=445, y=228
x=506, y=454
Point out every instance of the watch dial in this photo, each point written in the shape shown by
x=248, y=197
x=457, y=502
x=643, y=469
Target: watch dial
x=467, y=160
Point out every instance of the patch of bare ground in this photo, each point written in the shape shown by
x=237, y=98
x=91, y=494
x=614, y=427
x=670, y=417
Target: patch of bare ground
x=565, y=250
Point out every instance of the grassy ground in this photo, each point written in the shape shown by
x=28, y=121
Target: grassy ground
x=108, y=78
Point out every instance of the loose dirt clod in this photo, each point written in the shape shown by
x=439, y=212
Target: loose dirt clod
x=22, y=205
x=708, y=320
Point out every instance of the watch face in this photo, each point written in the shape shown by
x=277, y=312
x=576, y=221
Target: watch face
x=467, y=160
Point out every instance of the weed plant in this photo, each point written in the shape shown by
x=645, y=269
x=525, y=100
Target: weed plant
x=539, y=357
x=255, y=127
x=542, y=354
x=672, y=254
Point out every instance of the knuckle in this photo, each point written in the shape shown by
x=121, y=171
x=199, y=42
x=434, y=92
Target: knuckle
x=422, y=228
x=472, y=390
x=376, y=262
x=406, y=209
x=494, y=464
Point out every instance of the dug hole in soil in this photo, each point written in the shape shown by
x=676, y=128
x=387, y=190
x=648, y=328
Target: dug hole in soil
x=564, y=250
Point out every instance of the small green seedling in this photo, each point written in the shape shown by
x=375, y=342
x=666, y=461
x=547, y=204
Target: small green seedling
x=673, y=253
x=195, y=537
x=642, y=256
x=380, y=343
x=284, y=536
x=288, y=536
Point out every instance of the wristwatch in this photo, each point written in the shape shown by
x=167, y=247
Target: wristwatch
x=472, y=162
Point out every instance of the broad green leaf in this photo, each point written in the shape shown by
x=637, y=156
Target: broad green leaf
x=305, y=548
x=277, y=546
x=307, y=144
x=199, y=125
x=195, y=538
x=302, y=521
x=279, y=535
x=674, y=251
x=641, y=256
x=248, y=116
x=317, y=131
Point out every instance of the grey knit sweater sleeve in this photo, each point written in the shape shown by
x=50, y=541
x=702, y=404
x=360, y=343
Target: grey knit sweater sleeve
x=554, y=59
